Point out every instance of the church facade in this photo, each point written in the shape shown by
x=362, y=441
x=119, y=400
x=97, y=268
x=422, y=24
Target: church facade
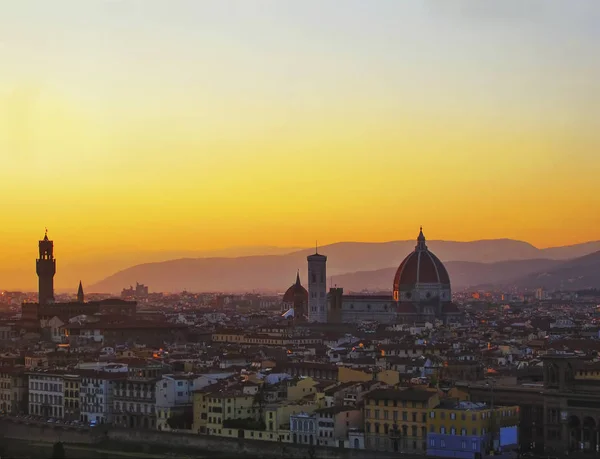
x=421, y=292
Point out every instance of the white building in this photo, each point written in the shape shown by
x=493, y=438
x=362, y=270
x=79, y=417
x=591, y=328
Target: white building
x=57, y=332
x=303, y=428
x=96, y=395
x=317, y=288
x=334, y=424
x=174, y=395
x=356, y=439
x=46, y=394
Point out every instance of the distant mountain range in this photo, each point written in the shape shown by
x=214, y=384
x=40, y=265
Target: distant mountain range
x=578, y=274
x=356, y=266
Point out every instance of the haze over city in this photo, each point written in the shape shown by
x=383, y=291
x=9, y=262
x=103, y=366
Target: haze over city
x=140, y=130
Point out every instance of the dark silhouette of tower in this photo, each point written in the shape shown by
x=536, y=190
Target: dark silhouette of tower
x=80, y=296
x=45, y=266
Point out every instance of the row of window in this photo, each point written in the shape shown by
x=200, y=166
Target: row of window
x=463, y=416
x=137, y=407
x=387, y=428
x=433, y=443
x=49, y=387
x=405, y=415
x=395, y=403
x=303, y=426
x=463, y=431
x=46, y=398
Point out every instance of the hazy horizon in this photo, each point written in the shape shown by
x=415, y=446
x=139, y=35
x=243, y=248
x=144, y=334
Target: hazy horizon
x=69, y=272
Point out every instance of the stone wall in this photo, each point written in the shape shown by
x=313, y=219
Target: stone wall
x=47, y=433
x=233, y=447
x=161, y=442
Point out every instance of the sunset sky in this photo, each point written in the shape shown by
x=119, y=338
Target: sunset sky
x=190, y=125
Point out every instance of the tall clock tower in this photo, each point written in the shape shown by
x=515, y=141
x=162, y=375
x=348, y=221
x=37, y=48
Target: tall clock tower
x=45, y=266
x=317, y=287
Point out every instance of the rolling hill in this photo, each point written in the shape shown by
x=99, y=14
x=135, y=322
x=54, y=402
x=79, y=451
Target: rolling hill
x=463, y=274
x=577, y=274
x=473, y=264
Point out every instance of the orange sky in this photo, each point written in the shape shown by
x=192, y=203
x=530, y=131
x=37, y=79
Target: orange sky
x=127, y=126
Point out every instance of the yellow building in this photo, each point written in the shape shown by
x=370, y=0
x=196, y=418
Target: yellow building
x=72, y=386
x=466, y=429
x=214, y=406
x=13, y=390
x=396, y=419
x=301, y=388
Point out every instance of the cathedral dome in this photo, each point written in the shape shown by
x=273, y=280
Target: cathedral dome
x=296, y=293
x=420, y=267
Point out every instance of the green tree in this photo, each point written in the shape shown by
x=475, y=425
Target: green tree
x=182, y=420
x=260, y=401
x=58, y=451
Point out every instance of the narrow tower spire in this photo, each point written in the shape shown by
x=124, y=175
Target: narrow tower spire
x=80, y=296
x=298, y=277
x=421, y=240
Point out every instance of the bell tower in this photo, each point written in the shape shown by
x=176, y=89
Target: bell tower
x=317, y=287
x=45, y=266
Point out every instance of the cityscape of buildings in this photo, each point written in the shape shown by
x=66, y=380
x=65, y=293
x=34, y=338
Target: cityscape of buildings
x=423, y=370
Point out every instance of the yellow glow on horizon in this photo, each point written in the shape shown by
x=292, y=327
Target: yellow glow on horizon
x=269, y=129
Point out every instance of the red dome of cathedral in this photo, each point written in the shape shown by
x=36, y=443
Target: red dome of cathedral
x=295, y=293
x=420, y=267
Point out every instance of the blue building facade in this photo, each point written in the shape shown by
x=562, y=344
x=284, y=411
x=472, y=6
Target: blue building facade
x=459, y=446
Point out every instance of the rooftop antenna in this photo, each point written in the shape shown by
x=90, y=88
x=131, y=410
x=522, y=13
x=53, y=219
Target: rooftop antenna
x=316, y=247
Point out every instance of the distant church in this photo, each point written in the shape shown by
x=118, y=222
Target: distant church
x=295, y=301
x=421, y=292
x=46, y=308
